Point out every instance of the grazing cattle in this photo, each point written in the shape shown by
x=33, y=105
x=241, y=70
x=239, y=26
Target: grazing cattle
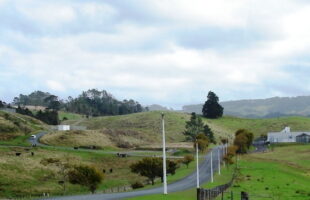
x=18, y=154
x=32, y=153
x=76, y=147
x=122, y=155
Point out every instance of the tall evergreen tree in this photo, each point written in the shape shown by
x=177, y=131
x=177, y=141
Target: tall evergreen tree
x=209, y=133
x=193, y=127
x=1, y=104
x=212, y=109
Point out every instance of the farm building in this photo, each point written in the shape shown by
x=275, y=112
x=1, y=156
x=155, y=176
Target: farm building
x=303, y=138
x=68, y=128
x=63, y=127
x=287, y=136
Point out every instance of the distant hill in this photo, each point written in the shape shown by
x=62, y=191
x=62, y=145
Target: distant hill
x=262, y=108
x=156, y=107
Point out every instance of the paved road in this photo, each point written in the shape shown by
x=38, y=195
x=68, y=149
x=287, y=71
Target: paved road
x=186, y=183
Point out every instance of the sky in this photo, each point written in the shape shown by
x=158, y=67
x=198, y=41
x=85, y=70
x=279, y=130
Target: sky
x=168, y=52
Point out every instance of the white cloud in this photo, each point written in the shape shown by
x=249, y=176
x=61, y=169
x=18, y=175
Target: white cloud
x=48, y=14
x=145, y=61
x=55, y=85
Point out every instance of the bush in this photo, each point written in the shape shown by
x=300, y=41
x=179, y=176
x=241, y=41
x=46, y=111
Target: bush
x=187, y=159
x=86, y=176
x=137, y=185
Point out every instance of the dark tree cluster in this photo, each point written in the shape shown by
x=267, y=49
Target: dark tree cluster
x=212, y=109
x=243, y=140
x=86, y=176
x=91, y=103
x=98, y=103
x=48, y=116
x=153, y=167
x=36, y=98
x=2, y=104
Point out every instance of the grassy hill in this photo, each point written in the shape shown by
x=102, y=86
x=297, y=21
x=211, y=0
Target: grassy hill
x=227, y=125
x=13, y=125
x=145, y=124
x=145, y=128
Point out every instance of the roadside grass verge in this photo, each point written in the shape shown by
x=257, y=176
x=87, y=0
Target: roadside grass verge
x=17, y=141
x=191, y=194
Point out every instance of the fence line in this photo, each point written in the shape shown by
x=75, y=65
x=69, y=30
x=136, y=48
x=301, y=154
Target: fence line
x=210, y=194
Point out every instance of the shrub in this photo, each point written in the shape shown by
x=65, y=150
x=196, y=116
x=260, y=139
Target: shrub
x=137, y=185
x=187, y=159
x=86, y=176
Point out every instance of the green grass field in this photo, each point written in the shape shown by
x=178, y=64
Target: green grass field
x=69, y=116
x=282, y=174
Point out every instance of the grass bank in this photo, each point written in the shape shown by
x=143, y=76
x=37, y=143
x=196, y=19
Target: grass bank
x=283, y=173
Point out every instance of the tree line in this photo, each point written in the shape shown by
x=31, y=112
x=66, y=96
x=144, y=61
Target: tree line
x=90, y=103
x=98, y=103
x=48, y=116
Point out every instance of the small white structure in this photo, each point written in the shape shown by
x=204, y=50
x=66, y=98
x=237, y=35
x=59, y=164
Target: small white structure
x=284, y=136
x=63, y=127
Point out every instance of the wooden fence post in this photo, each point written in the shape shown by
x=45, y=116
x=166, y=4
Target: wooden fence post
x=198, y=193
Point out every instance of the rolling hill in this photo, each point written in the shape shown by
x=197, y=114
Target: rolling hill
x=128, y=130
x=262, y=108
x=145, y=128
x=13, y=125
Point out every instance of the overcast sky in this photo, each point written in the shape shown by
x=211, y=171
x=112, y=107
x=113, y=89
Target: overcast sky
x=169, y=52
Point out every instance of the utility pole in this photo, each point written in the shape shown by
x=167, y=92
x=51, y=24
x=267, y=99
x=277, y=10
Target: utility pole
x=211, y=167
x=226, y=148
x=197, y=164
x=164, y=154
x=223, y=152
x=219, y=160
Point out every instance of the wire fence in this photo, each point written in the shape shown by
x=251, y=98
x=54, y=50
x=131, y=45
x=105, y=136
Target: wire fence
x=210, y=194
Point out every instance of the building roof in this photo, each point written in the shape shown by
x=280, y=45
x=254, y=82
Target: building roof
x=303, y=134
x=290, y=133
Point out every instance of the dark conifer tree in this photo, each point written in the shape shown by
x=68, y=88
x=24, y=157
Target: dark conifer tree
x=212, y=109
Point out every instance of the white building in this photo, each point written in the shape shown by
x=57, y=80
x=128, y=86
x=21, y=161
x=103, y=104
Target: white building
x=284, y=136
x=63, y=127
